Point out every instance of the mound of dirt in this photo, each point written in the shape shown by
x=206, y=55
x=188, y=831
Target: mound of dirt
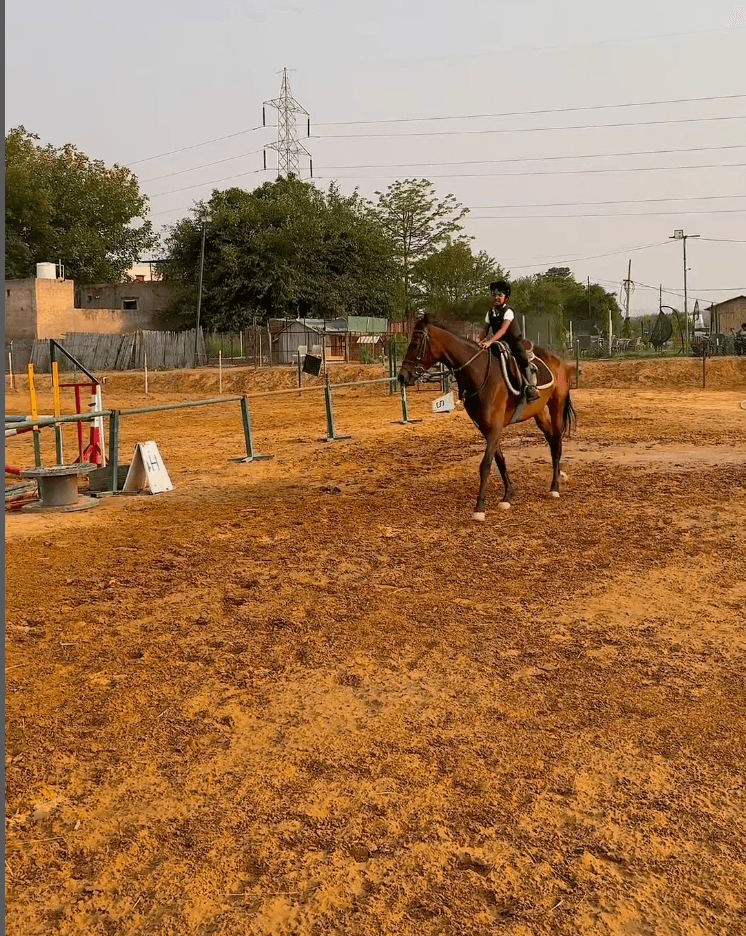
x=727, y=373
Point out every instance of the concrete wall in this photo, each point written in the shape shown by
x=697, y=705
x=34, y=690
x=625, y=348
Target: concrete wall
x=44, y=308
x=20, y=309
x=54, y=302
x=97, y=321
x=148, y=296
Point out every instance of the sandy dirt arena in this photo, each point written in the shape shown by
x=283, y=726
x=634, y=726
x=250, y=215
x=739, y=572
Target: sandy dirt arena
x=311, y=696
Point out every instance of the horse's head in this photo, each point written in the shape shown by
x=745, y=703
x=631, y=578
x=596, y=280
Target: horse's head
x=419, y=357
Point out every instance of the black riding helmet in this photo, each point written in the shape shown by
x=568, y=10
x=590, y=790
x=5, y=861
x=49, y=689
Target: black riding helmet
x=501, y=286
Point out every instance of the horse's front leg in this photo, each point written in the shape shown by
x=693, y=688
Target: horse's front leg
x=492, y=451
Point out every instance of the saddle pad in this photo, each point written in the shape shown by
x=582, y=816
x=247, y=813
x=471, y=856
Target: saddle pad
x=511, y=371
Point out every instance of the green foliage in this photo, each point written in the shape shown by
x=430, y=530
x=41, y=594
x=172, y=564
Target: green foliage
x=365, y=355
x=455, y=282
x=557, y=295
x=418, y=225
x=284, y=249
x=61, y=205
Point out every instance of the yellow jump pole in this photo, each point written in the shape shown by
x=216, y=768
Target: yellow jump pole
x=34, y=415
x=57, y=411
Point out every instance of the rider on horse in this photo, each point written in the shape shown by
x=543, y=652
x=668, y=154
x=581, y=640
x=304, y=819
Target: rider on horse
x=500, y=320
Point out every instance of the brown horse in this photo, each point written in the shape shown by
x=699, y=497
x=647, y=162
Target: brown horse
x=492, y=398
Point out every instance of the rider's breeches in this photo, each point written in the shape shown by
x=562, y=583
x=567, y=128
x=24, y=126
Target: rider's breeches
x=515, y=342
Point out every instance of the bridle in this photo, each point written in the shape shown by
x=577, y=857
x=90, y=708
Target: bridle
x=419, y=371
x=423, y=340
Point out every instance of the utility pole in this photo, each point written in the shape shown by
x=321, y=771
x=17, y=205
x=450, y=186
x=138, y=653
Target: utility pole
x=627, y=290
x=289, y=150
x=199, y=292
x=680, y=235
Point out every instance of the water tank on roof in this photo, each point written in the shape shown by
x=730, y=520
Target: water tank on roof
x=46, y=271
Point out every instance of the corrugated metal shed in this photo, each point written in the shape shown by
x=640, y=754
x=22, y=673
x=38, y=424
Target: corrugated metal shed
x=367, y=325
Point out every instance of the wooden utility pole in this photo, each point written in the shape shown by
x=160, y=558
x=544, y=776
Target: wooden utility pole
x=628, y=289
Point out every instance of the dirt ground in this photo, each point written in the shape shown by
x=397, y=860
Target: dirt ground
x=310, y=696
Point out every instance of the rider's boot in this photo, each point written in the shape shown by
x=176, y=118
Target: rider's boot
x=530, y=391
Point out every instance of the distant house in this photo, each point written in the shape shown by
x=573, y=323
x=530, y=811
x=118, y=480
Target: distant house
x=339, y=339
x=728, y=315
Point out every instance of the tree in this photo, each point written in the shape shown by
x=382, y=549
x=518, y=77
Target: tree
x=455, y=281
x=61, y=205
x=284, y=249
x=418, y=224
x=556, y=296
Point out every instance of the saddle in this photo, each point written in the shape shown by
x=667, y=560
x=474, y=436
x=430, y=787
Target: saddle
x=511, y=371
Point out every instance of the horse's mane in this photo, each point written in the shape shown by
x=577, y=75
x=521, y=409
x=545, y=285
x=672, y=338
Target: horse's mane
x=446, y=326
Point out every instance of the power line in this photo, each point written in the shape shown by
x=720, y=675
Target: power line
x=450, y=117
x=203, y=166
x=471, y=162
x=552, y=110
x=618, y=214
x=642, y=123
x=482, y=175
x=522, y=159
x=214, y=181
x=562, y=258
x=624, y=201
x=193, y=146
x=475, y=175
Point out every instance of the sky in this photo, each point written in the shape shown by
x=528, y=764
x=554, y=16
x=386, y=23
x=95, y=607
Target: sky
x=579, y=134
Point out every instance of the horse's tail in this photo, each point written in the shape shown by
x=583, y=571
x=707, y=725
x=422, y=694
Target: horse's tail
x=569, y=420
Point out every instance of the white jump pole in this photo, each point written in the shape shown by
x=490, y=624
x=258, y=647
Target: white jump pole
x=10, y=368
x=146, y=375
x=220, y=372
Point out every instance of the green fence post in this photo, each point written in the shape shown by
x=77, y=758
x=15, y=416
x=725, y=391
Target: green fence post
x=114, y=450
x=251, y=455
x=37, y=447
x=405, y=420
x=331, y=435
x=58, y=444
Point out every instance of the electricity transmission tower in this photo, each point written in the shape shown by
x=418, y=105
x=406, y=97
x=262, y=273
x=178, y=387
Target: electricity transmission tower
x=289, y=150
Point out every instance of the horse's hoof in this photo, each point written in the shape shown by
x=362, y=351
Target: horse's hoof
x=563, y=476
x=504, y=505
x=554, y=493
x=479, y=516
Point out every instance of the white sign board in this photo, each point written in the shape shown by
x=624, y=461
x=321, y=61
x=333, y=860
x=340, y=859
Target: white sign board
x=444, y=404
x=147, y=471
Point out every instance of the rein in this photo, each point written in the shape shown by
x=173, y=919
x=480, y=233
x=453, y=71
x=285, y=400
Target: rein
x=454, y=370
x=418, y=370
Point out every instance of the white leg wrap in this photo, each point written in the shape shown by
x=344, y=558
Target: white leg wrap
x=478, y=516
x=554, y=493
x=504, y=505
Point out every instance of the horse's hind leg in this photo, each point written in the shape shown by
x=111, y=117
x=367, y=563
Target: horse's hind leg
x=553, y=435
x=507, y=483
x=492, y=451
